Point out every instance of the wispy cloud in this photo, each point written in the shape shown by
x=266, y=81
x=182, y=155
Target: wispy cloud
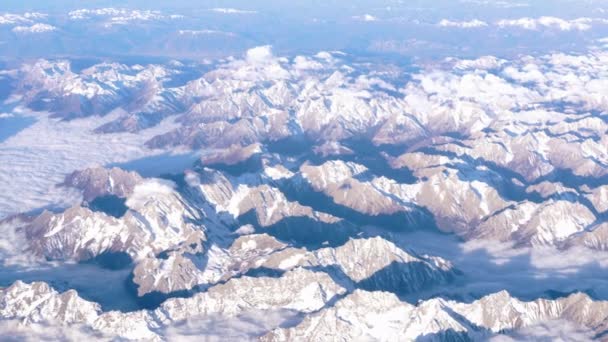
x=259, y=54
x=557, y=330
x=496, y=3
x=205, y=33
x=120, y=15
x=42, y=169
x=12, y=19
x=231, y=11
x=365, y=17
x=528, y=23
x=36, y=28
x=580, y=24
x=463, y=24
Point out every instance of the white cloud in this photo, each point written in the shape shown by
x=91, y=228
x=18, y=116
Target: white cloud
x=213, y=327
x=231, y=11
x=496, y=3
x=366, y=17
x=120, y=16
x=245, y=230
x=481, y=63
x=26, y=18
x=528, y=73
x=541, y=258
x=36, y=28
x=47, y=332
x=304, y=63
x=259, y=54
x=149, y=189
x=324, y=55
x=527, y=23
x=35, y=15
x=580, y=24
x=247, y=326
x=112, y=12
x=463, y=24
x=48, y=150
x=557, y=330
x=204, y=33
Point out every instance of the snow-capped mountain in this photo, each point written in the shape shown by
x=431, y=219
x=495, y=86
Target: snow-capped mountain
x=361, y=315
x=331, y=198
x=298, y=290
x=380, y=316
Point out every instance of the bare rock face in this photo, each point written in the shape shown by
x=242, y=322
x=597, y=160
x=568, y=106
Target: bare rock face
x=231, y=155
x=96, y=182
x=472, y=203
x=239, y=197
x=373, y=263
x=337, y=179
x=300, y=290
x=175, y=272
x=158, y=220
x=599, y=198
x=457, y=203
x=78, y=234
x=98, y=90
x=548, y=223
x=332, y=148
x=536, y=153
x=548, y=189
x=596, y=238
x=376, y=263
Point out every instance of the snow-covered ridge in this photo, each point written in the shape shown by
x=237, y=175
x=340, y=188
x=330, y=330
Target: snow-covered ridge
x=381, y=316
x=299, y=290
x=360, y=315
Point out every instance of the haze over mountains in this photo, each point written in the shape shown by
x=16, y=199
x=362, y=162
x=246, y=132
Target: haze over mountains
x=326, y=195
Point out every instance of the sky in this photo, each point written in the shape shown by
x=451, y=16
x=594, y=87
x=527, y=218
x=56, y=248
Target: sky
x=382, y=29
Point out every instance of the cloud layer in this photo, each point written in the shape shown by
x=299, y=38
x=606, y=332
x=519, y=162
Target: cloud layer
x=36, y=28
x=463, y=24
x=532, y=24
